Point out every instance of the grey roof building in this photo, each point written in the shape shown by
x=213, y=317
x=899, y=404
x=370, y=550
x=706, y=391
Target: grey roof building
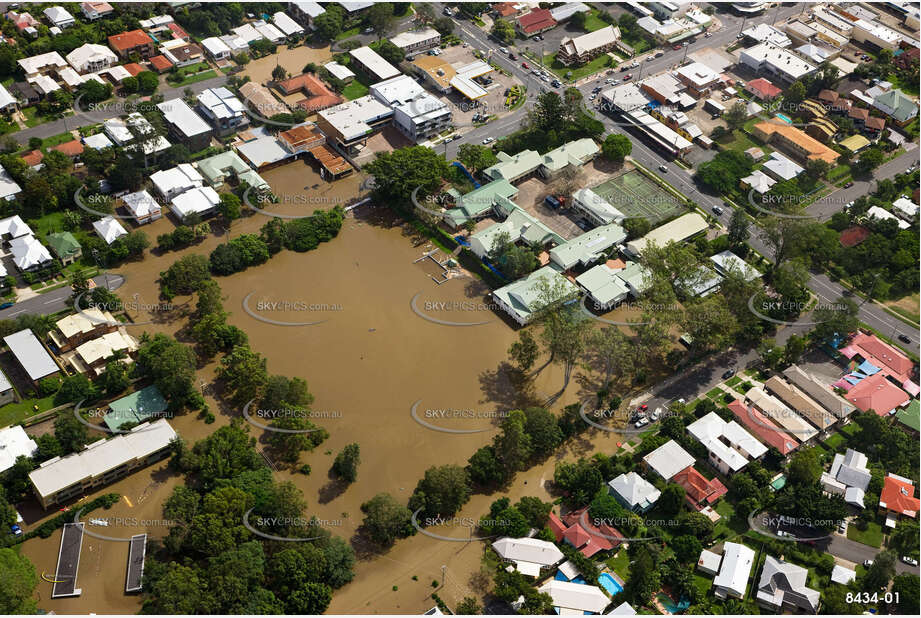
x=783, y=587
x=31, y=355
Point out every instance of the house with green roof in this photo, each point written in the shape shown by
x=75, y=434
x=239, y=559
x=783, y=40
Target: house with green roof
x=514, y=168
x=603, y=286
x=525, y=297
x=520, y=227
x=226, y=166
x=576, y=154
x=897, y=105
x=908, y=417
x=65, y=246
x=478, y=203
x=589, y=247
x=636, y=277
x=135, y=408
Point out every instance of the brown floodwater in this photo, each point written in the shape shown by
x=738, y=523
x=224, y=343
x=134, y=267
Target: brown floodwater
x=370, y=358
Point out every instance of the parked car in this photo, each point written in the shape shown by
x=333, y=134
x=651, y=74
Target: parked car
x=909, y=560
x=656, y=414
x=15, y=530
x=848, y=184
x=718, y=211
x=367, y=31
x=641, y=423
x=676, y=47
x=634, y=64
x=524, y=65
x=660, y=53
x=728, y=374
x=7, y=305
x=902, y=337
x=707, y=35
x=842, y=527
x=488, y=140
x=867, y=563
x=663, y=168
x=628, y=77
x=504, y=50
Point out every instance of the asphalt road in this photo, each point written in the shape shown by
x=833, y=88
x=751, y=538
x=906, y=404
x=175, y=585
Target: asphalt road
x=852, y=551
x=55, y=300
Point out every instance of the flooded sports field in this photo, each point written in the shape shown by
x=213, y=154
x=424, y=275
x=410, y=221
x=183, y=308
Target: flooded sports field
x=390, y=355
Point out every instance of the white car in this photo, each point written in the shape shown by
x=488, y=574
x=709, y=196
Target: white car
x=504, y=50
x=488, y=140
x=641, y=423
x=656, y=414
x=909, y=560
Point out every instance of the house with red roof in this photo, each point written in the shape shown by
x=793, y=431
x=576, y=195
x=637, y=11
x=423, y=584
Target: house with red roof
x=320, y=96
x=506, y=9
x=134, y=68
x=178, y=32
x=33, y=158
x=877, y=393
x=132, y=42
x=890, y=360
x=897, y=499
x=577, y=529
x=160, y=63
x=535, y=22
x=698, y=490
x=763, y=429
x=762, y=89
x=72, y=149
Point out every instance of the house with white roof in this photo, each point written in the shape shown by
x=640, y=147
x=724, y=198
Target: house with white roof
x=585, y=47
x=305, y=12
x=14, y=227
x=668, y=460
x=732, y=579
x=633, y=491
x=573, y=598
x=730, y=447
x=109, y=229
x=339, y=71
x=624, y=609
x=781, y=167
x=96, y=10
x=288, y=26
x=134, y=133
x=31, y=355
x=709, y=562
x=90, y=57
x=8, y=103
x=97, y=141
x=759, y=182
x=42, y=64
x=782, y=588
x=7, y=395
x=767, y=59
x=202, y=201
x=529, y=555
x=699, y=78
x=766, y=33
x=185, y=125
x=414, y=41
x=881, y=214
x=170, y=183
x=29, y=254
x=143, y=207
x=13, y=440
x=373, y=64
x=216, y=48
x=727, y=262
x=848, y=477
x=519, y=226
x=59, y=16
x=223, y=110
x=843, y=575
x=62, y=478
x=9, y=189
x=905, y=208
x=595, y=208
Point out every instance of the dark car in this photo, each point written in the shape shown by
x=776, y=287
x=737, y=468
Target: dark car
x=6, y=305
x=728, y=374
x=904, y=338
x=848, y=185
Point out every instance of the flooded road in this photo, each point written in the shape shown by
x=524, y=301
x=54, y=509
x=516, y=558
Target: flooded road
x=378, y=349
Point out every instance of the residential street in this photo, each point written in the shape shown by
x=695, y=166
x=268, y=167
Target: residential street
x=55, y=300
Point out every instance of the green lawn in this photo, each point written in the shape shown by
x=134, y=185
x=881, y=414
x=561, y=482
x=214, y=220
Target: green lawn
x=639, y=44
x=703, y=583
x=347, y=33
x=905, y=85
x=197, y=77
x=834, y=441
x=55, y=140
x=14, y=413
x=739, y=141
x=593, y=22
x=872, y=536
x=589, y=68
x=850, y=429
x=715, y=393
x=620, y=564
x=354, y=90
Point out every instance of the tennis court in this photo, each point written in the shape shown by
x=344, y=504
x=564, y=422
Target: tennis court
x=636, y=195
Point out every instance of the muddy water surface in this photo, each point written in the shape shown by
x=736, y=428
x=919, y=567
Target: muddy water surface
x=368, y=362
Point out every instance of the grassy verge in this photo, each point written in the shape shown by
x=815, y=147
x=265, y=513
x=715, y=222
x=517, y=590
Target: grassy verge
x=197, y=77
x=15, y=413
x=354, y=90
x=872, y=536
x=578, y=72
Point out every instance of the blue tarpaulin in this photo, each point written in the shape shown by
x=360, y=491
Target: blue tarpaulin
x=868, y=368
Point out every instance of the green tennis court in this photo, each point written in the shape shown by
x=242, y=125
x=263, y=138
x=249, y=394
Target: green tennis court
x=636, y=195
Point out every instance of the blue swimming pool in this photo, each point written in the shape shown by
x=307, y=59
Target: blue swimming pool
x=669, y=604
x=784, y=117
x=578, y=579
x=611, y=585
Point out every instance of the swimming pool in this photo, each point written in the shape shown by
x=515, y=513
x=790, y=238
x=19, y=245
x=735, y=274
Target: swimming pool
x=784, y=117
x=669, y=604
x=607, y=581
x=560, y=577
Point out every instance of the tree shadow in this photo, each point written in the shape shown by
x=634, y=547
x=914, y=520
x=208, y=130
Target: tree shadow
x=334, y=488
